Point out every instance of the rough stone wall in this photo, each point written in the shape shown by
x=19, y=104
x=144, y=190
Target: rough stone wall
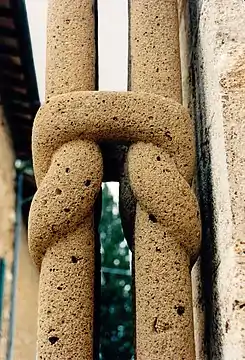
x=7, y=216
x=214, y=78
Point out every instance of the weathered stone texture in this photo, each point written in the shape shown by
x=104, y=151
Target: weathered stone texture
x=68, y=171
x=167, y=213
x=216, y=71
x=71, y=49
x=68, y=175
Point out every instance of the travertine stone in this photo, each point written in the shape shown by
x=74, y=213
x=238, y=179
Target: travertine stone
x=68, y=171
x=167, y=216
x=154, y=44
x=61, y=243
x=68, y=175
x=189, y=12
x=53, y=238
x=70, y=47
x=217, y=72
x=102, y=116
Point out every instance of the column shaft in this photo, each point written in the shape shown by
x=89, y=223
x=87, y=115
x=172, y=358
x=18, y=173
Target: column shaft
x=154, y=48
x=61, y=234
x=70, y=47
x=164, y=324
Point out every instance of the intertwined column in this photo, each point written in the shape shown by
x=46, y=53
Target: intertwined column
x=68, y=176
x=68, y=171
x=167, y=228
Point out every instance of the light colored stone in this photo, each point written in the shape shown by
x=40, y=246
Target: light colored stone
x=217, y=73
x=70, y=47
x=68, y=175
x=68, y=171
x=164, y=320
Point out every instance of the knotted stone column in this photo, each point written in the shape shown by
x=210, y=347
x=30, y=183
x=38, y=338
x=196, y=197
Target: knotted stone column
x=167, y=227
x=68, y=175
x=68, y=170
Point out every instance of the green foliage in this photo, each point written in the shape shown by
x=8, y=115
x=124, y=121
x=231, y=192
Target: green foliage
x=116, y=332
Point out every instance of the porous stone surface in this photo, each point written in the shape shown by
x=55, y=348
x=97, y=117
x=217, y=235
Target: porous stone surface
x=68, y=175
x=61, y=242
x=70, y=47
x=154, y=48
x=189, y=11
x=113, y=115
x=167, y=215
x=68, y=169
x=216, y=73
x=99, y=116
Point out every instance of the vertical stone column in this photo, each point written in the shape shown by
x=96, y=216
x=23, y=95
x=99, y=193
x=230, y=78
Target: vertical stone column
x=70, y=47
x=167, y=228
x=154, y=43
x=61, y=234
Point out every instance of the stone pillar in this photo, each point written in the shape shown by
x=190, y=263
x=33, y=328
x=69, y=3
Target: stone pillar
x=71, y=54
x=68, y=175
x=68, y=171
x=167, y=228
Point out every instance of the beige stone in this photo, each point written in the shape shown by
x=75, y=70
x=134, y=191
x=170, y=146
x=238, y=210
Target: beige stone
x=154, y=48
x=68, y=171
x=70, y=47
x=215, y=70
x=92, y=117
x=164, y=321
x=69, y=175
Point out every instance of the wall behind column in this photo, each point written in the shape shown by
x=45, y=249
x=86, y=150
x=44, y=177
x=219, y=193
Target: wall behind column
x=27, y=288
x=26, y=305
x=214, y=75
x=7, y=216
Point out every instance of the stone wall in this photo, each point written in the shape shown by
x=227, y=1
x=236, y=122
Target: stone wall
x=213, y=70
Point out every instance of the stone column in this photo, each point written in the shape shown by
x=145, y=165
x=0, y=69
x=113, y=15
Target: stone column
x=167, y=227
x=68, y=176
